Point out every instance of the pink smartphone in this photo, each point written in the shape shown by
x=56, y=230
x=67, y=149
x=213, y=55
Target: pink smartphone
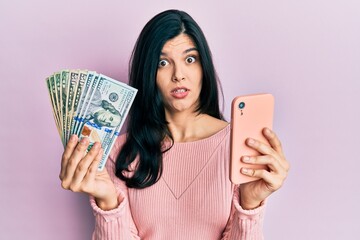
x=249, y=115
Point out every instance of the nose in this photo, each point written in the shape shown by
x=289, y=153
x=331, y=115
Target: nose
x=178, y=74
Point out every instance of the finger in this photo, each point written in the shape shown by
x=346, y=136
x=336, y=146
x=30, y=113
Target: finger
x=273, y=140
x=76, y=156
x=93, y=169
x=91, y=173
x=258, y=173
x=69, y=149
x=83, y=166
x=260, y=147
x=277, y=146
x=268, y=150
x=273, y=181
x=267, y=160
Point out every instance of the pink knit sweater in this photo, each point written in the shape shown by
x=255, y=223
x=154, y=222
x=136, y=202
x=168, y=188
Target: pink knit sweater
x=193, y=200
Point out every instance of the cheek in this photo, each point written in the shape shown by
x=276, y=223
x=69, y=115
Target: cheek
x=161, y=84
x=198, y=76
x=159, y=79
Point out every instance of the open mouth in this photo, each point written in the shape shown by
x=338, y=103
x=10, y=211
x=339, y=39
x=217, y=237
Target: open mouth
x=180, y=90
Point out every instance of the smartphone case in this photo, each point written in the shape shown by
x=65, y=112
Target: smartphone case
x=249, y=115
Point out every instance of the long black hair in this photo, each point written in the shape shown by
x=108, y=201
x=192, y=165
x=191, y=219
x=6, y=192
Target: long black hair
x=147, y=125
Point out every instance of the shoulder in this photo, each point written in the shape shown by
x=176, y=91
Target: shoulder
x=213, y=125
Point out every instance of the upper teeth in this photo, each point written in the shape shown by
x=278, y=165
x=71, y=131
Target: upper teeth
x=180, y=90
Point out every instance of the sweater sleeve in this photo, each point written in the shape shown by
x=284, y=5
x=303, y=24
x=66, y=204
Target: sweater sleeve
x=115, y=224
x=244, y=224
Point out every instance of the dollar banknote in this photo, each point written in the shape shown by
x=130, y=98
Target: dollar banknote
x=84, y=100
x=109, y=105
x=89, y=105
x=72, y=85
x=49, y=87
x=123, y=107
x=64, y=90
x=58, y=89
x=77, y=97
x=56, y=106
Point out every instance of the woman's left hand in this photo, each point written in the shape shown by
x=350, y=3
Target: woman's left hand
x=271, y=179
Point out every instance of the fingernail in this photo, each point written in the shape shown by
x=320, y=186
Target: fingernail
x=84, y=141
x=72, y=138
x=251, y=141
x=245, y=170
x=246, y=159
x=96, y=145
x=267, y=131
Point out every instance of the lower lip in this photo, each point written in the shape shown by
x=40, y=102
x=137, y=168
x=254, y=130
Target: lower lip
x=179, y=95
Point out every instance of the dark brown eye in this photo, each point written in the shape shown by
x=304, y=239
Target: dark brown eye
x=190, y=59
x=163, y=63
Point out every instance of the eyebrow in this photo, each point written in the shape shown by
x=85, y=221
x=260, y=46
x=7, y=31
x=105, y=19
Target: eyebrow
x=190, y=49
x=186, y=51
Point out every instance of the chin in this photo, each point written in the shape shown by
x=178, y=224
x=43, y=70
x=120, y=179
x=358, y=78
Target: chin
x=183, y=109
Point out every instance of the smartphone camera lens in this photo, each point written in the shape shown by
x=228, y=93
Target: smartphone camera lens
x=241, y=105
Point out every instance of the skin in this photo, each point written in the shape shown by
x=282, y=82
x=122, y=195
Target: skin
x=179, y=67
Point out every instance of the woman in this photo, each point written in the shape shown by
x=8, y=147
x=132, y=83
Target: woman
x=168, y=177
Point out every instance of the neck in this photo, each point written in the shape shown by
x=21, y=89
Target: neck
x=186, y=127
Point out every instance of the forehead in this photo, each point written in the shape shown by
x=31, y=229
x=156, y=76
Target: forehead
x=179, y=42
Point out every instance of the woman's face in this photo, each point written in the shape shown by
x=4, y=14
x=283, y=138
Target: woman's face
x=179, y=75
x=107, y=118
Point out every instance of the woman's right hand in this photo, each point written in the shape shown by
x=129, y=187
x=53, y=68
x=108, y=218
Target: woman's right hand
x=79, y=173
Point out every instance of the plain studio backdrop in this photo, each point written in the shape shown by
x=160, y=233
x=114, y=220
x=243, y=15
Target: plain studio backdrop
x=306, y=53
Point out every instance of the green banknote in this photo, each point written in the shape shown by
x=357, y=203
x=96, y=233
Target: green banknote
x=77, y=97
x=49, y=87
x=72, y=85
x=64, y=90
x=58, y=89
x=85, y=97
x=106, y=112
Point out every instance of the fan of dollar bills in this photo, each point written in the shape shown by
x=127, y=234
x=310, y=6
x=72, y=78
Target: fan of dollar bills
x=90, y=105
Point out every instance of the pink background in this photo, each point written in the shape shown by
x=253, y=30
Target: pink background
x=307, y=53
